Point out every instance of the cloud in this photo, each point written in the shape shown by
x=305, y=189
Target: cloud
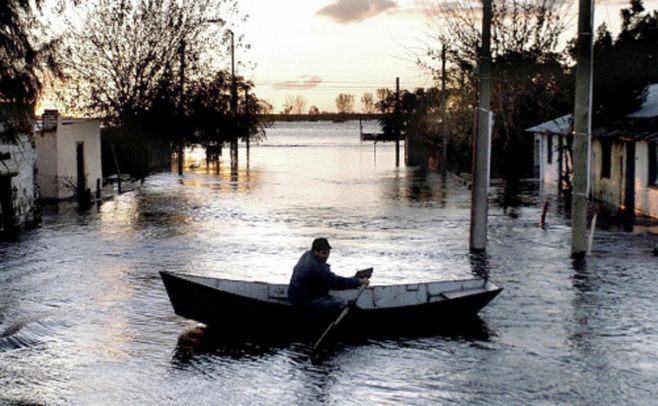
x=350, y=11
x=302, y=83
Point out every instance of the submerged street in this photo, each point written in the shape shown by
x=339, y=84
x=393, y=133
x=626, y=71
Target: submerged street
x=84, y=317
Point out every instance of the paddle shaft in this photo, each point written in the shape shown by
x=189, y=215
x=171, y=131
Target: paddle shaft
x=340, y=317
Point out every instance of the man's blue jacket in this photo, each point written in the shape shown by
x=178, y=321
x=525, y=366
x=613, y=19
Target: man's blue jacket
x=311, y=279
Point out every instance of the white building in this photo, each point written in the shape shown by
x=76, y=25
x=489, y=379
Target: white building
x=17, y=184
x=68, y=156
x=624, y=168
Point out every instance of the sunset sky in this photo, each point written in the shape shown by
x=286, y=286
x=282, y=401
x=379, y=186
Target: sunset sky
x=319, y=48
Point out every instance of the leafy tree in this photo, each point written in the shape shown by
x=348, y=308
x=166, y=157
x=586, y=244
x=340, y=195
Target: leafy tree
x=529, y=77
x=26, y=55
x=299, y=104
x=313, y=111
x=127, y=55
x=415, y=115
x=368, y=103
x=625, y=66
x=288, y=104
x=345, y=103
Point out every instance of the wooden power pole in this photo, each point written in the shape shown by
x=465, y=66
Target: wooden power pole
x=444, y=129
x=582, y=129
x=482, y=142
x=234, y=104
x=397, y=122
x=181, y=106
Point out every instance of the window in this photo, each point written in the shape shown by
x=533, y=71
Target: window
x=606, y=157
x=653, y=164
x=549, y=149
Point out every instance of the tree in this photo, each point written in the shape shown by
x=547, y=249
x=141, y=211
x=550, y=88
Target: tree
x=299, y=104
x=517, y=26
x=529, y=76
x=128, y=55
x=625, y=66
x=345, y=103
x=265, y=106
x=368, y=103
x=26, y=56
x=288, y=104
x=313, y=111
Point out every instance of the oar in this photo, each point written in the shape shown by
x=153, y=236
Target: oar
x=338, y=320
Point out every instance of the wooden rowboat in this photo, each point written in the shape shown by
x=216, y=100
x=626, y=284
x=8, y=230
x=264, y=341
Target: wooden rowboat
x=258, y=307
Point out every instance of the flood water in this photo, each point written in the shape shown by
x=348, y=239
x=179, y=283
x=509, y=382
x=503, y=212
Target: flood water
x=84, y=317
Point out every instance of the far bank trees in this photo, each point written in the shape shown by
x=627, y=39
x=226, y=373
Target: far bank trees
x=345, y=103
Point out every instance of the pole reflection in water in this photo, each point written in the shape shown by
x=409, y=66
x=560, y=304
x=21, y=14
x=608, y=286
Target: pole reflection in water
x=84, y=318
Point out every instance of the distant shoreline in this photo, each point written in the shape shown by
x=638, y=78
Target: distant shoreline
x=334, y=117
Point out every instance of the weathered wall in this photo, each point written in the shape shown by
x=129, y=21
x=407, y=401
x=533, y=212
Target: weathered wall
x=57, y=160
x=608, y=190
x=646, y=196
x=23, y=161
x=46, y=145
x=69, y=134
x=549, y=172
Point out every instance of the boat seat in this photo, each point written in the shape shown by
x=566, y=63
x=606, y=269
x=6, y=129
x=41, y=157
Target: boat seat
x=454, y=294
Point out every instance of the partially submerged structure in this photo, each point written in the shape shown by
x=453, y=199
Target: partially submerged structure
x=624, y=168
x=68, y=157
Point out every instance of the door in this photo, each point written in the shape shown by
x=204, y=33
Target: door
x=6, y=206
x=80, y=159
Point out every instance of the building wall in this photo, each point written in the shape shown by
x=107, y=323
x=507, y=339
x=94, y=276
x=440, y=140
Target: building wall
x=57, y=153
x=23, y=161
x=548, y=172
x=47, y=180
x=69, y=133
x=608, y=190
x=646, y=196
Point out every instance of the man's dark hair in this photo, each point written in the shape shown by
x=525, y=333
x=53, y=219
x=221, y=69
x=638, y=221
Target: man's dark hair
x=320, y=244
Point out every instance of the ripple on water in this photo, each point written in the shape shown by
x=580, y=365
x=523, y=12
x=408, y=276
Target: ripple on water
x=85, y=318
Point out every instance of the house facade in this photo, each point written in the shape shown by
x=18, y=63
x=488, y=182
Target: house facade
x=18, y=191
x=68, y=156
x=623, y=164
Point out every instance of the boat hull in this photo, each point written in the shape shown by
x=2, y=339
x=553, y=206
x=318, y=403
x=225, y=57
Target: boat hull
x=236, y=314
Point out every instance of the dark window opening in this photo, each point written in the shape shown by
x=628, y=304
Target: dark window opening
x=653, y=164
x=7, y=226
x=606, y=158
x=549, y=149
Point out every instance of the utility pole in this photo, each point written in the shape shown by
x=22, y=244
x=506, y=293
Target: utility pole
x=582, y=130
x=181, y=106
x=234, y=103
x=444, y=150
x=397, y=122
x=482, y=142
x=247, y=119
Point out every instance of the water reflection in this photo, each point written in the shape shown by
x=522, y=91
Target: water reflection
x=480, y=264
x=202, y=341
x=84, y=316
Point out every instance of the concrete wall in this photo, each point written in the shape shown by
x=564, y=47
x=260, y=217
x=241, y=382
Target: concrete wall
x=22, y=162
x=646, y=196
x=548, y=172
x=608, y=190
x=57, y=152
x=46, y=145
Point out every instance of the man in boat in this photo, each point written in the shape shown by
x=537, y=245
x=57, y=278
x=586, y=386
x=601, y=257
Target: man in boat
x=312, y=279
